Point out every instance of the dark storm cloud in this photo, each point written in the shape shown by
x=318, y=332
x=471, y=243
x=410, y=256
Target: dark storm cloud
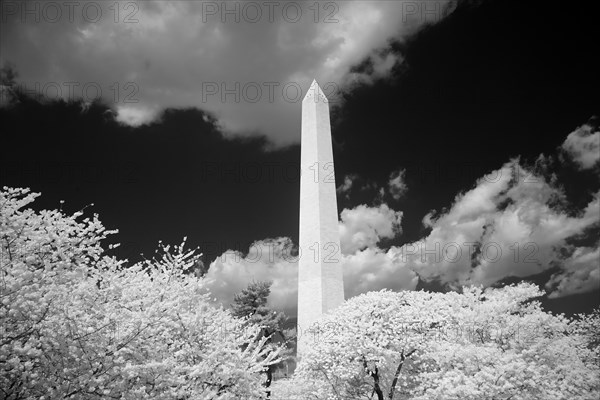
x=248, y=63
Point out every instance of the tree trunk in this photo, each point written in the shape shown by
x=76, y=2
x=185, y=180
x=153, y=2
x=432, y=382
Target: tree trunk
x=377, y=388
x=375, y=376
x=397, y=374
x=269, y=380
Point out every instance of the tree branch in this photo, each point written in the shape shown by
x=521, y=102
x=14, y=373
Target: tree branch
x=403, y=357
x=375, y=376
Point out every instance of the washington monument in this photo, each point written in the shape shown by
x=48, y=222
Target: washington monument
x=320, y=280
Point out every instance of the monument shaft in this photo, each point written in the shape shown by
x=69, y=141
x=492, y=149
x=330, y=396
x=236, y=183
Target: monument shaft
x=320, y=280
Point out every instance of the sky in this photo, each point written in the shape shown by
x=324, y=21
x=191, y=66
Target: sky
x=466, y=135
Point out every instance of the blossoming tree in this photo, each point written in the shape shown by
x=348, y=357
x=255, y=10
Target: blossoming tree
x=75, y=324
x=492, y=344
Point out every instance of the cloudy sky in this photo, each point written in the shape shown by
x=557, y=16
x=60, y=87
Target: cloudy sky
x=466, y=135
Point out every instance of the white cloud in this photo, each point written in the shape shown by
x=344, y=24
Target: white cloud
x=268, y=259
x=513, y=223
x=396, y=184
x=374, y=269
x=344, y=188
x=364, y=226
x=273, y=259
x=178, y=54
x=507, y=226
x=135, y=116
x=354, y=184
x=583, y=146
x=580, y=274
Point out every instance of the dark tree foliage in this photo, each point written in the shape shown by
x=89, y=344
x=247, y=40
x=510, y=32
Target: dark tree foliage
x=200, y=268
x=251, y=304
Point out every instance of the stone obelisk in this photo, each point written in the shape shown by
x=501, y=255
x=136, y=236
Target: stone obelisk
x=320, y=280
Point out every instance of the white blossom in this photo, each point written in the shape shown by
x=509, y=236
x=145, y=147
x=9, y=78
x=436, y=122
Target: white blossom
x=75, y=323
